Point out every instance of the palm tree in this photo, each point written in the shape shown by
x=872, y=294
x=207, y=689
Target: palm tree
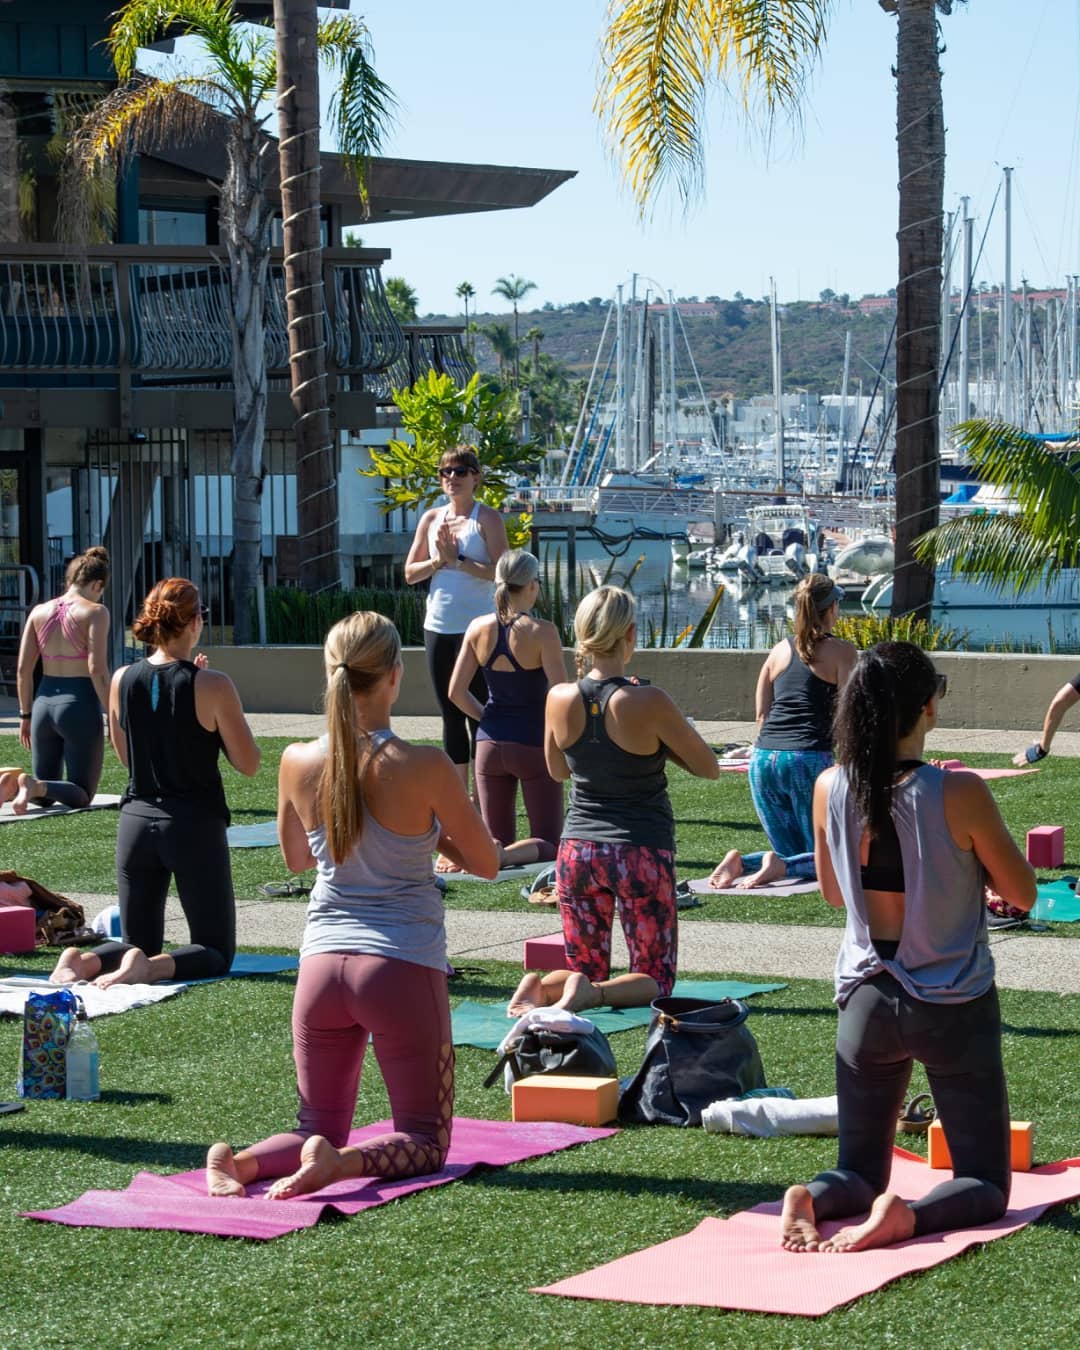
x=402, y=300
x=502, y=344
x=298, y=40
x=658, y=63
x=1006, y=549
x=535, y=336
x=514, y=288
x=224, y=96
x=465, y=292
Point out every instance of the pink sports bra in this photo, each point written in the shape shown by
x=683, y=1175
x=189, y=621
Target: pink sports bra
x=62, y=618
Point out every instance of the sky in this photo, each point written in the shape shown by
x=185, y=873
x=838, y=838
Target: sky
x=512, y=82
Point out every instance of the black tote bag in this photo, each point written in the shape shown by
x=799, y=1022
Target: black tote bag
x=696, y=1052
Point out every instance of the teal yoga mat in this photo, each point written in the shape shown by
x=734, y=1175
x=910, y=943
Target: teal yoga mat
x=1057, y=903
x=485, y=1024
x=261, y=835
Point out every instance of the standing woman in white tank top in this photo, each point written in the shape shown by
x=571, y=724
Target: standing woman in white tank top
x=455, y=549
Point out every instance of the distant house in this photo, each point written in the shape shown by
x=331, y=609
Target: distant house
x=877, y=304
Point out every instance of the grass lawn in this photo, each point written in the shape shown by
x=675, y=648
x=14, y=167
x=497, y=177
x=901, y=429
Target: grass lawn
x=76, y=853
x=453, y=1266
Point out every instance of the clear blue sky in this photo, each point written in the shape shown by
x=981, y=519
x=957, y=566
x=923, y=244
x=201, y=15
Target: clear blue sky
x=512, y=82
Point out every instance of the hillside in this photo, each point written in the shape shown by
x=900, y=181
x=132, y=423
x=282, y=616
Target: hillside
x=730, y=342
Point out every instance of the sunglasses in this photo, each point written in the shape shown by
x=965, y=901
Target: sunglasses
x=941, y=685
x=455, y=471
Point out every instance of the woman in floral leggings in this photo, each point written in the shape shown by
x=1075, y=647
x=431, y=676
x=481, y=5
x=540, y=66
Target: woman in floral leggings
x=611, y=737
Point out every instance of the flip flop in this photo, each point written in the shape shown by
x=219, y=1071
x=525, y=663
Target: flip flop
x=914, y=1117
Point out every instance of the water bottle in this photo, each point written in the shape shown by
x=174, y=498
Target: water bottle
x=82, y=1061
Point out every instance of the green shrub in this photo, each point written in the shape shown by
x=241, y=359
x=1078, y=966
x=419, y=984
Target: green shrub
x=865, y=630
x=296, y=618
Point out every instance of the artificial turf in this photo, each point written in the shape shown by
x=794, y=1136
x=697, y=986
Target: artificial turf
x=453, y=1266
x=76, y=853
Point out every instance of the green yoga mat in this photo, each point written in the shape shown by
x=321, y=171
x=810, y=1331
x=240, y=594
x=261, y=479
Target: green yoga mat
x=1057, y=903
x=485, y=1024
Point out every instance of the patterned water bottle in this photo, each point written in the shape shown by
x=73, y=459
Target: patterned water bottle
x=82, y=1061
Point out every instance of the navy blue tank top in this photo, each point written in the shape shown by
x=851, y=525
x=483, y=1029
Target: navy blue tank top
x=801, y=714
x=515, y=706
x=172, y=758
x=616, y=797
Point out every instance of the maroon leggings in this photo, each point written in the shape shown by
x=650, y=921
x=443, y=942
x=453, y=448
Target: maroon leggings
x=500, y=767
x=340, y=999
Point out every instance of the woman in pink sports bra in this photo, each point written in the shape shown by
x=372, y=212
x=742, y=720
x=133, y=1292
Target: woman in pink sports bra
x=62, y=723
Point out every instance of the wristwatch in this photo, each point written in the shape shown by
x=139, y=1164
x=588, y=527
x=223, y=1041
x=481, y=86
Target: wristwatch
x=1035, y=752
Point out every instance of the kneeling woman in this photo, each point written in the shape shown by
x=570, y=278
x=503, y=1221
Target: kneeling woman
x=907, y=849
x=366, y=809
x=169, y=720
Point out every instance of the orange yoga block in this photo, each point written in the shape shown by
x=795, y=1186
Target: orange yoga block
x=17, y=924
x=1046, y=846
x=570, y=1099
x=545, y=953
x=1022, y=1134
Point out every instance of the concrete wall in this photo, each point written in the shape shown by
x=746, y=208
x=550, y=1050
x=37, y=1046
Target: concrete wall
x=1010, y=692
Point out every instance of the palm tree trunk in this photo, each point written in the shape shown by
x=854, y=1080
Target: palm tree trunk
x=296, y=23
x=920, y=139
x=245, y=217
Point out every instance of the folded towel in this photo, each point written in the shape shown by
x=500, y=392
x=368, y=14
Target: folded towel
x=768, y=1117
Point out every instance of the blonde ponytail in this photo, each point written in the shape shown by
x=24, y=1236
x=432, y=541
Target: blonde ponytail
x=513, y=572
x=601, y=622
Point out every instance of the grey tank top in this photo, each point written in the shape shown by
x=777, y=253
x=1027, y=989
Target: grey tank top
x=616, y=797
x=944, y=951
x=382, y=900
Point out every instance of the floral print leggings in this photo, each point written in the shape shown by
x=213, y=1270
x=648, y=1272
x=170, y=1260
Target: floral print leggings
x=592, y=882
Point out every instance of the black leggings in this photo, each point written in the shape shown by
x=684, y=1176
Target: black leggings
x=458, y=731
x=193, y=849
x=67, y=736
x=881, y=1030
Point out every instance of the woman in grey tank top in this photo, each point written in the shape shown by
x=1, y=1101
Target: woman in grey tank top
x=360, y=805
x=907, y=849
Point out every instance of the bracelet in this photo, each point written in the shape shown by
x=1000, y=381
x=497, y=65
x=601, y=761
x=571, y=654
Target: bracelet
x=24, y=717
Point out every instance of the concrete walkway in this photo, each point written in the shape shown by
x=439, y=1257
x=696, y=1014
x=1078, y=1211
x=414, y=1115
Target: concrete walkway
x=1024, y=960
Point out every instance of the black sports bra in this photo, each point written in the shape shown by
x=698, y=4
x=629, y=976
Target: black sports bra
x=884, y=870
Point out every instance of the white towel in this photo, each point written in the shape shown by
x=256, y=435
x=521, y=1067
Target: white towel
x=548, y=1019
x=768, y=1117
x=118, y=998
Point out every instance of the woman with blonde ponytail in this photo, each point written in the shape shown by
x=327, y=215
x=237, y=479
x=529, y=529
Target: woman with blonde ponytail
x=366, y=809
x=612, y=735
x=520, y=657
x=796, y=695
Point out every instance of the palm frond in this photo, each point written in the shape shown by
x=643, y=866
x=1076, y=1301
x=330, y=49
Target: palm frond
x=145, y=114
x=141, y=22
x=1040, y=540
x=659, y=58
x=362, y=106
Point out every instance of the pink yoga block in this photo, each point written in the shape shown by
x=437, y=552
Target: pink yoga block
x=17, y=924
x=545, y=953
x=1046, y=846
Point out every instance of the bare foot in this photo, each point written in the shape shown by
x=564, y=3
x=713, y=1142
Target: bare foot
x=798, y=1228
x=528, y=995
x=9, y=784
x=725, y=873
x=773, y=868
x=891, y=1220
x=75, y=965
x=444, y=864
x=320, y=1164
x=579, y=994
x=134, y=968
x=30, y=789
x=222, y=1177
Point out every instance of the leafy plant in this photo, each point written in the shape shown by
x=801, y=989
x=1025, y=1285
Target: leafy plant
x=439, y=414
x=300, y=618
x=866, y=630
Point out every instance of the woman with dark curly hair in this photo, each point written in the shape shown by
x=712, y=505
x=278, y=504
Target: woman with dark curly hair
x=169, y=720
x=907, y=849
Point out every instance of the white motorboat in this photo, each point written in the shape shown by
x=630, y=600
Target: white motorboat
x=868, y=557
x=780, y=548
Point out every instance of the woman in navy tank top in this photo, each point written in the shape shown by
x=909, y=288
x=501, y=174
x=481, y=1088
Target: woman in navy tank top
x=520, y=657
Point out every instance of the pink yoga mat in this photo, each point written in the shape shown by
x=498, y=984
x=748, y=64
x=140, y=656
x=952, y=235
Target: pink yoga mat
x=701, y=887
x=738, y=1263
x=180, y=1204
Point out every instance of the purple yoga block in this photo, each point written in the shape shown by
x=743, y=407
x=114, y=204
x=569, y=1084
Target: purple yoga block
x=17, y=923
x=1046, y=846
x=545, y=953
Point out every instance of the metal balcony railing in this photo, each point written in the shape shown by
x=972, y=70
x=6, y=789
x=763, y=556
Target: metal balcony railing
x=160, y=312
x=440, y=349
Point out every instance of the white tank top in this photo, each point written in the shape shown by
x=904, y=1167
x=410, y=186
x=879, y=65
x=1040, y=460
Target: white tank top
x=454, y=597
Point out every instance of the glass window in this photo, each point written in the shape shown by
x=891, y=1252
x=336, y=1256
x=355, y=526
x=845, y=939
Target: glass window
x=172, y=225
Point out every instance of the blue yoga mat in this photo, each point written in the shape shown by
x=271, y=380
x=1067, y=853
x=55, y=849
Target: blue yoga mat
x=485, y=1024
x=261, y=835
x=1057, y=903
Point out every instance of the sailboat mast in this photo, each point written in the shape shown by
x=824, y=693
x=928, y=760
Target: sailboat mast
x=778, y=402
x=1005, y=336
x=673, y=397
x=963, y=378
x=620, y=379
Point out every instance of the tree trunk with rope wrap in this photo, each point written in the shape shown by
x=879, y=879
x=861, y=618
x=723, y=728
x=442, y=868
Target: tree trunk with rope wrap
x=920, y=138
x=296, y=26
